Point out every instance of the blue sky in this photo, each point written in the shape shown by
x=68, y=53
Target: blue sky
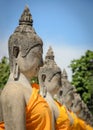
x=66, y=25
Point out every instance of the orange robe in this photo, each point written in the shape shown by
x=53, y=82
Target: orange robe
x=2, y=126
x=35, y=85
x=76, y=124
x=79, y=124
x=38, y=114
x=82, y=124
x=62, y=122
x=89, y=127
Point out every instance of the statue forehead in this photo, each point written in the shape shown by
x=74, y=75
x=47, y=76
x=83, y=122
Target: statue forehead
x=49, y=71
x=24, y=43
x=24, y=35
x=68, y=91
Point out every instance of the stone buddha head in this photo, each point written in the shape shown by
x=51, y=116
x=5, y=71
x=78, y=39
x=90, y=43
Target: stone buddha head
x=77, y=104
x=25, y=48
x=50, y=75
x=68, y=97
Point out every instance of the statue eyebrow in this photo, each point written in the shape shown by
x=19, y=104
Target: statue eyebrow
x=54, y=75
x=31, y=49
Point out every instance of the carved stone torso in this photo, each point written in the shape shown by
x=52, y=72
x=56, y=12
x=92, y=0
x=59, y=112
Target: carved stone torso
x=24, y=46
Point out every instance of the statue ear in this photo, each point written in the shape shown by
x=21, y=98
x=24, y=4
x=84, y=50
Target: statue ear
x=15, y=51
x=16, y=67
x=61, y=92
x=43, y=77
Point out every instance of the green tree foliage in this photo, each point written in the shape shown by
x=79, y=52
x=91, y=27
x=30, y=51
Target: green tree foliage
x=82, y=76
x=4, y=71
x=34, y=80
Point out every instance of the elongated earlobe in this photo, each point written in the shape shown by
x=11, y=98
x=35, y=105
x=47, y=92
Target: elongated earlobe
x=16, y=68
x=44, y=91
x=44, y=87
x=43, y=77
x=16, y=71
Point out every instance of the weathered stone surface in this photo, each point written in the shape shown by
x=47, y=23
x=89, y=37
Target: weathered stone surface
x=68, y=94
x=50, y=54
x=24, y=36
x=25, y=56
x=78, y=106
x=50, y=82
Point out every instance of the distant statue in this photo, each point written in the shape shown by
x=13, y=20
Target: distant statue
x=73, y=101
x=67, y=95
x=77, y=105
x=50, y=84
x=22, y=107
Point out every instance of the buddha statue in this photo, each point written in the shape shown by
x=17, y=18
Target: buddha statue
x=19, y=101
x=73, y=101
x=77, y=105
x=85, y=114
x=68, y=98
x=50, y=84
x=81, y=109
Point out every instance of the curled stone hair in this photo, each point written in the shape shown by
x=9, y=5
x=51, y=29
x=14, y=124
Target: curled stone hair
x=24, y=36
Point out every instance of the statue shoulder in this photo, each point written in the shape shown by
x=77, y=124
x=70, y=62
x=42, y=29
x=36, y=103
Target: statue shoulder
x=15, y=91
x=11, y=92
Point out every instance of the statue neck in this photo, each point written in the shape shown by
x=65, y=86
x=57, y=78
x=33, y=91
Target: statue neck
x=22, y=80
x=50, y=95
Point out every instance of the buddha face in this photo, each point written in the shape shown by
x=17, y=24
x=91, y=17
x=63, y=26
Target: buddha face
x=54, y=84
x=77, y=108
x=68, y=99
x=30, y=64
